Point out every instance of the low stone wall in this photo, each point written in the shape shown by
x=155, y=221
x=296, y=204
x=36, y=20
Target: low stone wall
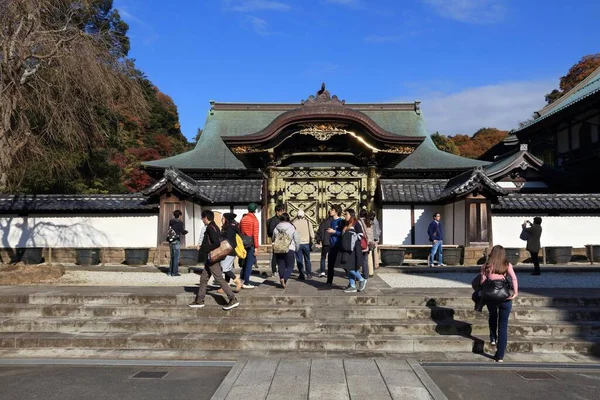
x=108, y=255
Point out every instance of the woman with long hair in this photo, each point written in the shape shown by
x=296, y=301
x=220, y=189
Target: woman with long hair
x=498, y=268
x=367, y=227
x=350, y=255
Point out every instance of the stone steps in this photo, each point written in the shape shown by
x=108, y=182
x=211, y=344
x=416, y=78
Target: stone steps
x=382, y=328
x=358, y=313
x=264, y=342
x=340, y=299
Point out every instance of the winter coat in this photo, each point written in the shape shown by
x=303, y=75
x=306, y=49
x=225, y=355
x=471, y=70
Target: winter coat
x=533, y=241
x=350, y=255
x=323, y=237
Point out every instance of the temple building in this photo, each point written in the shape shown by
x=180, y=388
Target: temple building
x=319, y=152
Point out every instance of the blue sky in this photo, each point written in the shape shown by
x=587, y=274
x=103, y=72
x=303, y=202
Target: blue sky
x=472, y=63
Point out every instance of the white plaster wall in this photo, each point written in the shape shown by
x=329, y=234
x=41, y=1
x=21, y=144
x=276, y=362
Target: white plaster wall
x=396, y=225
x=448, y=223
x=423, y=217
x=460, y=227
x=576, y=231
x=97, y=230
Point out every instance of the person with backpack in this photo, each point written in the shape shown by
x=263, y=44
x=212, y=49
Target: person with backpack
x=350, y=253
x=230, y=229
x=335, y=235
x=496, y=269
x=249, y=226
x=323, y=240
x=212, y=241
x=176, y=229
x=271, y=224
x=285, y=244
x=305, y=232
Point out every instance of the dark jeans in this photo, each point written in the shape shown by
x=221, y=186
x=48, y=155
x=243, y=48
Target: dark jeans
x=498, y=321
x=174, y=261
x=303, y=256
x=248, y=264
x=535, y=259
x=365, y=268
x=286, y=264
x=333, y=252
x=324, y=251
x=273, y=263
x=216, y=271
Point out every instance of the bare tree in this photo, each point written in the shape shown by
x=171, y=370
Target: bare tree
x=62, y=70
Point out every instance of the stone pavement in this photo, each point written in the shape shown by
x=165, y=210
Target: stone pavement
x=327, y=379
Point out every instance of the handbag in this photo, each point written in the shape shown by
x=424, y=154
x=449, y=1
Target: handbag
x=220, y=252
x=248, y=241
x=524, y=235
x=497, y=290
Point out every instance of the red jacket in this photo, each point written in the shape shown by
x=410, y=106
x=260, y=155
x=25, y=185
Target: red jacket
x=249, y=227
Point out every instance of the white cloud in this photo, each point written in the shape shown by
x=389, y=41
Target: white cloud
x=500, y=106
x=349, y=3
x=256, y=5
x=259, y=25
x=470, y=11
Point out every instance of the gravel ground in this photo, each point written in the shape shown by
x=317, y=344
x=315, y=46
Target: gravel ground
x=463, y=280
x=103, y=278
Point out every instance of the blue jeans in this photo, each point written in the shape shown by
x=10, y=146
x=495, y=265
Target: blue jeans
x=174, y=261
x=324, y=252
x=248, y=264
x=303, y=255
x=354, y=276
x=498, y=321
x=436, y=248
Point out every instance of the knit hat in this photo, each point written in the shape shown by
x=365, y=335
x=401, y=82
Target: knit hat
x=230, y=217
x=252, y=207
x=300, y=213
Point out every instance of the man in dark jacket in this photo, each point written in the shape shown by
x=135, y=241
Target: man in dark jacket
x=211, y=241
x=323, y=239
x=436, y=237
x=271, y=224
x=176, y=229
x=533, y=242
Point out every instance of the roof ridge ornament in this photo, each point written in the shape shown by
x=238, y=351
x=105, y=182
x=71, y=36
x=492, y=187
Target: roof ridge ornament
x=323, y=97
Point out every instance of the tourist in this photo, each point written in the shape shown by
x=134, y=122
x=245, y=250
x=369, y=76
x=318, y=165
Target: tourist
x=335, y=234
x=285, y=236
x=534, y=234
x=229, y=229
x=350, y=255
x=211, y=241
x=249, y=226
x=367, y=227
x=436, y=237
x=498, y=268
x=271, y=224
x=176, y=229
x=304, y=228
x=376, y=238
x=323, y=240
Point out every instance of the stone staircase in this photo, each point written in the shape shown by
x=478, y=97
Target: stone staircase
x=304, y=318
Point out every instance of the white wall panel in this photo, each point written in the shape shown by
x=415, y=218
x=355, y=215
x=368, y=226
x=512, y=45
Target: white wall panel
x=97, y=230
x=396, y=225
x=576, y=231
x=423, y=217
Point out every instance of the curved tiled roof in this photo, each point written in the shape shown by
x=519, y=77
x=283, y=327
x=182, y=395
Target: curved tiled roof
x=548, y=202
x=17, y=203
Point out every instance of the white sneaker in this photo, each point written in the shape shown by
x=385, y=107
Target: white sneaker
x=443, y=265
x=244, y=286
x=322, y=275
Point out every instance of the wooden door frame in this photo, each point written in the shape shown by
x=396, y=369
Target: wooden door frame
x=468, y=202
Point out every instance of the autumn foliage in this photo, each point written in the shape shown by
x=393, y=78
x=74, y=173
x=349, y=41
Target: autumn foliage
x=576, y=74
x=470, y=146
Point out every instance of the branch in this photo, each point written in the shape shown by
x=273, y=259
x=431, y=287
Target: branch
x=53, y=52
x=28, y=72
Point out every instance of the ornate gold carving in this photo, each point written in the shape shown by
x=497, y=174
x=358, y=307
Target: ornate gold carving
x=398, y=149
x=244, y=149
x=322, y=131
x=323, y=97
